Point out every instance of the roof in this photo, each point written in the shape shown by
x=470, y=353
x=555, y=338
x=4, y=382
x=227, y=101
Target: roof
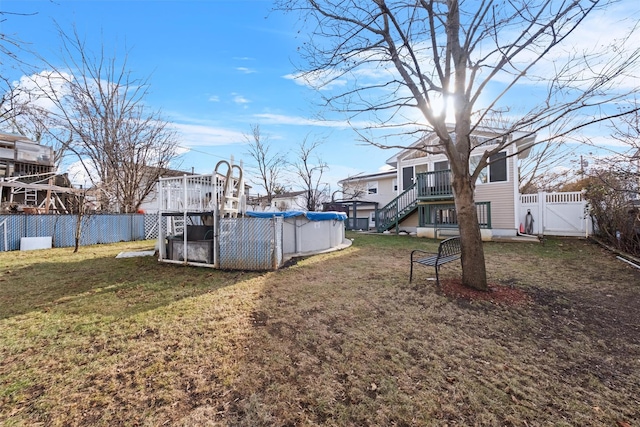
x=353, y=202
x=288, y=195
x=13, y=137
x=369, y=176
x=524, y=141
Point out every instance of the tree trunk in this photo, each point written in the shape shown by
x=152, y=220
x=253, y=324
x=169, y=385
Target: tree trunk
x=78, y=232
x=474, y=273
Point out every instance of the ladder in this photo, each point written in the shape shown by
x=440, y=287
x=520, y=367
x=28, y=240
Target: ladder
x=30, y=197
x=232, y=192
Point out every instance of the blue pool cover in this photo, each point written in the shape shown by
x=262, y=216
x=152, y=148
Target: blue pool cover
x=311, y=216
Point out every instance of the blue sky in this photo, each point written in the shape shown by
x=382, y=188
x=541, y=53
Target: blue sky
x=216, y=67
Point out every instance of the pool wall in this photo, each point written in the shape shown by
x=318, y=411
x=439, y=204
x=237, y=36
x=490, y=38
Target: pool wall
x=306, y=233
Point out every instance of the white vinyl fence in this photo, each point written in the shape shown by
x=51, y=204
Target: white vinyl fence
x=556, y=214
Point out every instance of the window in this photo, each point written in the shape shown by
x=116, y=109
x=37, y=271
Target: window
x=496, y=171
x=498, y=167
x=372, y=187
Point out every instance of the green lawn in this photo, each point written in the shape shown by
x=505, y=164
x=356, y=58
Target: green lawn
x=336, y=339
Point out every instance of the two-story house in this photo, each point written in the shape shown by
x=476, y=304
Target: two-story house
x=417, y=196
x=364, y=194
x=27, y=172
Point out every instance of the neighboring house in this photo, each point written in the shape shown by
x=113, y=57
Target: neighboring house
x=150, y=203
x=19, y=156
x=28, y=178
x=287, y=201
x=364, y=194
x=417, y=195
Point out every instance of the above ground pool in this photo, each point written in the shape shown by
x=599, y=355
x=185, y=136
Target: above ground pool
x=306, y=233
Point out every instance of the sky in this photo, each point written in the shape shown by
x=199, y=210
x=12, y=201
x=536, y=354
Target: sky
x=216, y=68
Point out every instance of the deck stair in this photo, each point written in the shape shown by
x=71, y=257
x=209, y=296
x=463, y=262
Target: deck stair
x=397, y=209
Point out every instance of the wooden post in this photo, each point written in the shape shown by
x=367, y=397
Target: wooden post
x=47, y=200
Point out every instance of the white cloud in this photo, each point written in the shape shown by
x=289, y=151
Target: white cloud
x=37, y=88
x=214, y=98
x=194, y=135
x=282, y=119
x=245, y=70
x=321, y=80
x=79, y=176
x=602, y=36
x=239, y=99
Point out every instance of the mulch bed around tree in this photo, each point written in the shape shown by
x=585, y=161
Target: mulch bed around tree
x=497, y=294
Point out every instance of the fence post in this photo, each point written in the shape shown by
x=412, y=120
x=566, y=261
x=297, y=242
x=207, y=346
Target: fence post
x=3, y=224
x=542, y=205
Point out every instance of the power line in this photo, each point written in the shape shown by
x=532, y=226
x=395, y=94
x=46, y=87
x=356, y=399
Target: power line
x=244, y=164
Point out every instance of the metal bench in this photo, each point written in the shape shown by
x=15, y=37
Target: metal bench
x=448, y=250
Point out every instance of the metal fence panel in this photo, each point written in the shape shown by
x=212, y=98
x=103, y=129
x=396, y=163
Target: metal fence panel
x=13, y=228
x=250, y=243
x=98, y=228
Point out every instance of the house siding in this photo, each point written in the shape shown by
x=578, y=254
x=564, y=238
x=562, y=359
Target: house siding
x=411, y=222
x=358, y=186
x=385, y=189
x=502, y=196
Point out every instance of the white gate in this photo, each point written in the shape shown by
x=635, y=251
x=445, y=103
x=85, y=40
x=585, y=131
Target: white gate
x=556, y=214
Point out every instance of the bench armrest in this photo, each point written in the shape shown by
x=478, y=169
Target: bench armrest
x=421, y=251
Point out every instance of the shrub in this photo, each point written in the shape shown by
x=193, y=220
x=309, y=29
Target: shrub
x=615, y=214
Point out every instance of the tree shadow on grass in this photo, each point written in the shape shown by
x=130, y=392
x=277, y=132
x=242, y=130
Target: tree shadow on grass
x=339, y=339
x=105, y=285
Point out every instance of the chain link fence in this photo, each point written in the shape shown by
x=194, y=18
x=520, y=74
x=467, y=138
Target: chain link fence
x=96, y=229
x=251, y=243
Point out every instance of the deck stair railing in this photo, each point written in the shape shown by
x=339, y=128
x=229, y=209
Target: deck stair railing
x=397, y=209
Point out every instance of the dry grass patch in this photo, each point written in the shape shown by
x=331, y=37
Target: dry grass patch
x=336, y=339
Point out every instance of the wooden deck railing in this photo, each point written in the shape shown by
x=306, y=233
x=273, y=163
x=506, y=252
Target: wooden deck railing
x=434, y=185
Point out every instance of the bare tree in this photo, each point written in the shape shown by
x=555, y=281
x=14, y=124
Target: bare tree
x=21, y=104
x=82, y=210
x=270, y=164
x=400, y=64
x=611, y=194
x=32, y=119
x=10, y=49
x=626, y=130
x=612, y=187
x=7, y=106
x=308, y=167
x=123, y=146
x=544, y=168
x=354, y=189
